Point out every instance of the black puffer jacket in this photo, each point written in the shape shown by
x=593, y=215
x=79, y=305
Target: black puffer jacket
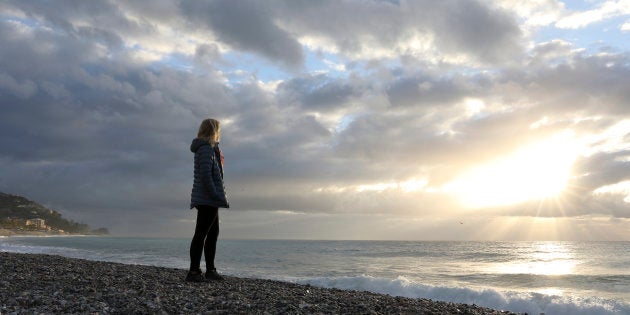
x=208, y=188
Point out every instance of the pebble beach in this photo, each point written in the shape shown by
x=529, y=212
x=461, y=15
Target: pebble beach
x=35, y=284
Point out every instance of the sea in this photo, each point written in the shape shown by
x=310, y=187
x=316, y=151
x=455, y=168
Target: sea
x=533, y=277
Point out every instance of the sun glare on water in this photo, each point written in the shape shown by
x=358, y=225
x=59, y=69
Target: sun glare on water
x=549, y=259
x=536, y=172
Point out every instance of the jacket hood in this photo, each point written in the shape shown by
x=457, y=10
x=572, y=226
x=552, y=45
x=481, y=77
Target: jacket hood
x=197, y=143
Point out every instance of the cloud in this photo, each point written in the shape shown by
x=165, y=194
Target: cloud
x=245, y=25
x=23, y=89
x=535, y=13
x=601, y=169
x=87, y=125
x=319, y=92
x=589, y=78
x=447, y=30
x=426, y=90
x=431, y=90
x=548, y=51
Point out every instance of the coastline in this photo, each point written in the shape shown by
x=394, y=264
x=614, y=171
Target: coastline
x=11, y=232
x=54, y=284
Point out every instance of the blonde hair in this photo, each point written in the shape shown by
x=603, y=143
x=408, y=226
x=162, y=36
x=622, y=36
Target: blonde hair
x=210, y=130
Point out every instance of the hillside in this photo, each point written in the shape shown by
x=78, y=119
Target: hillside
x=16, y=210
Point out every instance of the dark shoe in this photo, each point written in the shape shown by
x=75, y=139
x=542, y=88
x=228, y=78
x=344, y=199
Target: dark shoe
x=213, y=275
x=195, y=276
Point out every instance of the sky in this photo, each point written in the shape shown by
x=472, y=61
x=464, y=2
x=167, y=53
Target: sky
x=393, y=120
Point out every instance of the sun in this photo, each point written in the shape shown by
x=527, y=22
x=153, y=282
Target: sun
x=535, y=172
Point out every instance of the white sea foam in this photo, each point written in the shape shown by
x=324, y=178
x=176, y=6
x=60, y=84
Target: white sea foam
x=34, y=249
x=531, y=303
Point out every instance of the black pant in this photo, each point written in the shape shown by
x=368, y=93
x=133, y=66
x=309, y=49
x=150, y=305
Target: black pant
x=205, y=238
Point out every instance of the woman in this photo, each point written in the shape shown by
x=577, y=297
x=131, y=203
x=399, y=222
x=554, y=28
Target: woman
x=208, y=195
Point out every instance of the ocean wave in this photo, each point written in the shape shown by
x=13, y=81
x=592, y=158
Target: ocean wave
x=35, y=249
x=611, y=283
x=118, y=256
x=525, y=302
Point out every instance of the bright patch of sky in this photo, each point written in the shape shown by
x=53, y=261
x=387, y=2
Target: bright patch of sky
x=263, y=70
x=176, y=61
x=603, y=32
x=239, y=67
x=323, y=62
x=582, y=5
x=594, y=38
x=24, y=21
x=345, y=122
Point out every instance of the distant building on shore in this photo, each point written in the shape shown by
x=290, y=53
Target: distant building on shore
x=39, y=224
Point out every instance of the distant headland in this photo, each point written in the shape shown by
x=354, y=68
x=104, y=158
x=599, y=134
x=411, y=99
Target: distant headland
x=21, y=216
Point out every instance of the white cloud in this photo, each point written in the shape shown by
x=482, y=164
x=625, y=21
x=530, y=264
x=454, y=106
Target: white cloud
x=534, y=12
x=335, y=66
x=554, y=49
x=612, y=139
x=606, y=10
x=621, y=188
x=407, y=186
